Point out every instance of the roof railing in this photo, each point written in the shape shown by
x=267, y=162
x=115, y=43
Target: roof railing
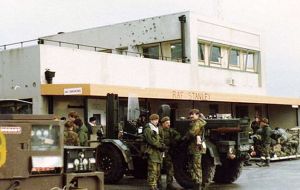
x=85, y=47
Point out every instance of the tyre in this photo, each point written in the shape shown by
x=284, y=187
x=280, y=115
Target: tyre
x=110, y=161
x=229, y=171
x=181, y=171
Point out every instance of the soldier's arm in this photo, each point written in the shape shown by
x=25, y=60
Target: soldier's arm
x=197, y=128
x=175, y=135
x=149, y=138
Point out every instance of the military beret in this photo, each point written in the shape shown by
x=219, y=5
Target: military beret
x=153, y=117
x=194, y=111
x=164, y=119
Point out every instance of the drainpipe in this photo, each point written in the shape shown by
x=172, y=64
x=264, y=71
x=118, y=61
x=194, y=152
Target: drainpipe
x=182, y=20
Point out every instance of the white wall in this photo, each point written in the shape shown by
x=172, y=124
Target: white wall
x=82, y=66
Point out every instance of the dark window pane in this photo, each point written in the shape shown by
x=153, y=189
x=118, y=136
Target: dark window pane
x=176, y=51
x=215, y=54
x=151, y=52
x=201, y=52
x=234, y=57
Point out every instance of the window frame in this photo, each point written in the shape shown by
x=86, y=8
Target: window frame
x=151, y=46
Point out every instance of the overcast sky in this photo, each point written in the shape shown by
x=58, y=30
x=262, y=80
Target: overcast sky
x=276, y=20
x=28, y=19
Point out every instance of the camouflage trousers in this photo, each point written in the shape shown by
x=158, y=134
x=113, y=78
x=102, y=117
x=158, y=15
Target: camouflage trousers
x=265, y=151
x=168, y=165
x=153, y=173
x=196, y=168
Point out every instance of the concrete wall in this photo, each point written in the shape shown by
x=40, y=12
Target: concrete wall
x=20, y=76
x=282, y=116
x=128, y=34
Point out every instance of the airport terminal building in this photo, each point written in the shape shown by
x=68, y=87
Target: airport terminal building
x=181, y=59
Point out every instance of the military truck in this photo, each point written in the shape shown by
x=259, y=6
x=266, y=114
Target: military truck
x=33, y=156
x=227, y=146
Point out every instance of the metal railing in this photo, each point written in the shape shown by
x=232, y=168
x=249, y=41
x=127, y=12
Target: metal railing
x=85, y=47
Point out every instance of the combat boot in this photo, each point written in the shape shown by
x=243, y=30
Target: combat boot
x=172, y=187
x=267, y=163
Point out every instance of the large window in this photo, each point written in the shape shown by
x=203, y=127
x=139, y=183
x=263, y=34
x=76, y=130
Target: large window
x=215, y=54
x=201, y=51
x=151, y=52
x=234, y=58
x=176, y=51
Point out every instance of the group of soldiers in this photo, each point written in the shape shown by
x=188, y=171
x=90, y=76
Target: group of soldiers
x=76, y=133
x=279, y=142
x=161, y=140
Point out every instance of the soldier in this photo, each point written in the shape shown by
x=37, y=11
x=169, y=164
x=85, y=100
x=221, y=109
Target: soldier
x=154, y=150
x=70, y=137
x=255, y=124
x=82, y=132
x=265, y=141
x=170, y=138
x=194, y=137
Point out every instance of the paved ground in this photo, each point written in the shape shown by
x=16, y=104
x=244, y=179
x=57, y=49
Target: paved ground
x=283, y=175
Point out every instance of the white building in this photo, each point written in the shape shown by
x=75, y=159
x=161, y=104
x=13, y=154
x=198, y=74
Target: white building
x=181, y=59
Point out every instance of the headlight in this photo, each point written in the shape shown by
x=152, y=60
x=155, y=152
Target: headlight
x=85, y=161
x=39, y=133
x=76, y=162
x=45, y=133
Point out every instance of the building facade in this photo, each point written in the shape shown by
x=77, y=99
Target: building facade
x=180, y=59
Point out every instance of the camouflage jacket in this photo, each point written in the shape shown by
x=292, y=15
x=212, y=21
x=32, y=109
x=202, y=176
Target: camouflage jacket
x=154, y=143
x=170, y=138
x=266, y=134
x=83, y=135
x=71, y=138
x=196, y=129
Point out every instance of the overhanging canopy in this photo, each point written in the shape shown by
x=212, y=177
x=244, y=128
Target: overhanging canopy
x=122, y=91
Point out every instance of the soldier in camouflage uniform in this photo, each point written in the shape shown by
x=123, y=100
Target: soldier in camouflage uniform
x=265, y=142
x=70, y=137
x=154, y=150
x=194, y=137
x=170, y=138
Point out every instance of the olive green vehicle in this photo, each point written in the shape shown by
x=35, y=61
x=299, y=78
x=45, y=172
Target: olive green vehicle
x=227, y=147
x=32, y=156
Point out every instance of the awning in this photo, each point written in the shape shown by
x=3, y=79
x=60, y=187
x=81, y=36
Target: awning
x=156, y=93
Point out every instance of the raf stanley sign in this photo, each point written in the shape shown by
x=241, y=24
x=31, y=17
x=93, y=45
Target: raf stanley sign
x=187, y=95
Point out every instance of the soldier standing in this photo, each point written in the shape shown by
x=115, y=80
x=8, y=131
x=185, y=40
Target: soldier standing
x=170, y=138
x=194, y=137
x=70, y=137
x=265, y=141
x=255, y=124
x=154, y=150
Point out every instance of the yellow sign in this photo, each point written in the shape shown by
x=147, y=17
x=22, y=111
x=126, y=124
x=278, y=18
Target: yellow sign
x=2, y=149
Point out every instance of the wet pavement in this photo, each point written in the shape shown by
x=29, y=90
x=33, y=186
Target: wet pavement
x=281, y=175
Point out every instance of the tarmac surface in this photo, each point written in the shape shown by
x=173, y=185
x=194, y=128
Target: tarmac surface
x=281, y=175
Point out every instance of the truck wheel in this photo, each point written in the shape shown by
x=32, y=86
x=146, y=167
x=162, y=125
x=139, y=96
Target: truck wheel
x=229, y=171
x=110, y=161
x=182, y=174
